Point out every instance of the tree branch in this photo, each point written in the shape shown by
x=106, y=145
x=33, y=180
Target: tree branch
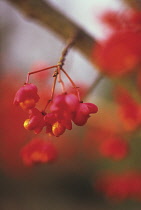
x=48, y=16
x=134, y=3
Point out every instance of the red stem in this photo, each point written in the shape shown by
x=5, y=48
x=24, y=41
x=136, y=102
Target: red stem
x=60, y=79
x=52, y=92
x=34, y=72
x=73, y=84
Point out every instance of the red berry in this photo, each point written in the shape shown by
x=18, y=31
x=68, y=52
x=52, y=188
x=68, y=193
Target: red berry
x=35, y=121
x=58, y=129
x=82, y=113
x=26, y=97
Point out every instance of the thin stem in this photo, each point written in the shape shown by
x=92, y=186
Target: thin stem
x=41, y=12
x=72, y=82
x=60, y=80
x=34, y=72
x=53, y=89
x=71, y=42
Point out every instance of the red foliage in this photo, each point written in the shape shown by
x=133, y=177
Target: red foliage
x=38, y=151
x=115, y=20
x=12, y=132
x=105, y=136
x=121, y=186
x=120, y=53
x=129, y=109
x=108, y=144
x=129, y=19
x=115, y=148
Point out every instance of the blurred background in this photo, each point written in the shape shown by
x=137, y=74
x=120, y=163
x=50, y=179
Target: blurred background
x=98, y=165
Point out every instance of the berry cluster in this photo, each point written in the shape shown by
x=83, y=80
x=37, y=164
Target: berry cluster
x=63, y=109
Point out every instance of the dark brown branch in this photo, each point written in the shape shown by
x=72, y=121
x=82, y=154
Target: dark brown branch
x=48, y=16
x=94, y=84
x=71, y=42
x=134, y=3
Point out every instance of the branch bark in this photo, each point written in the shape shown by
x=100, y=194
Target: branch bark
x=44, y=14
x=134, y=3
